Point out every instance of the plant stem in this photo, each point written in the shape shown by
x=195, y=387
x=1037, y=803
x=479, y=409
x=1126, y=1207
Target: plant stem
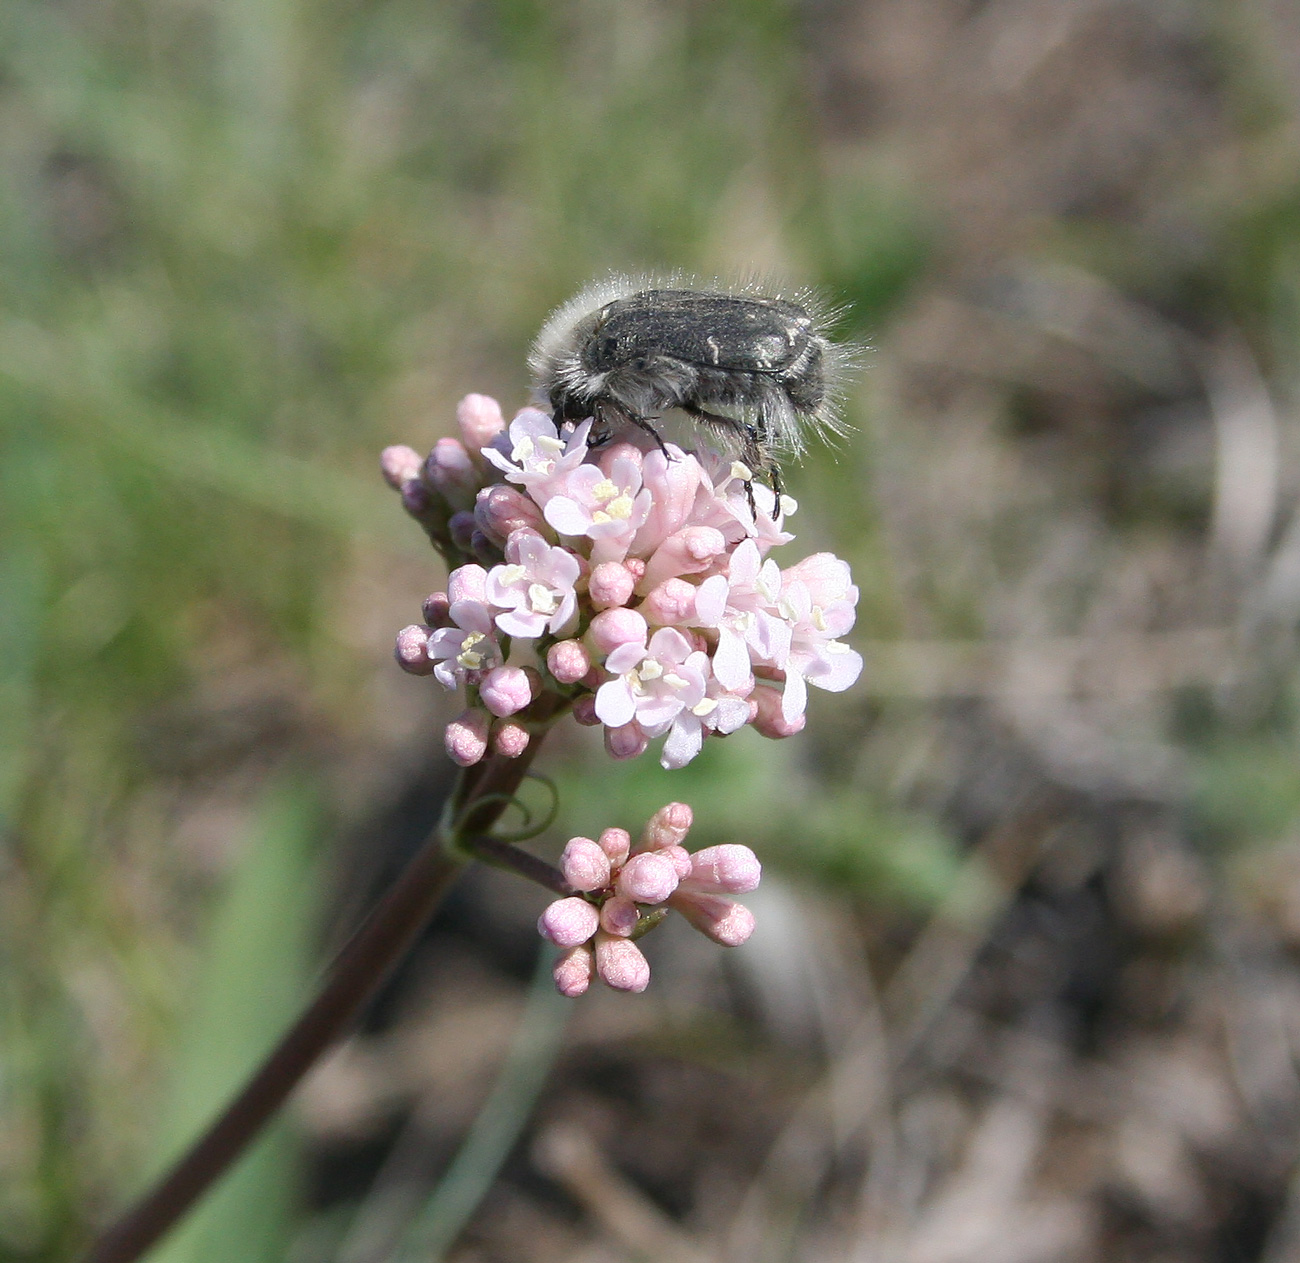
x=359, y=969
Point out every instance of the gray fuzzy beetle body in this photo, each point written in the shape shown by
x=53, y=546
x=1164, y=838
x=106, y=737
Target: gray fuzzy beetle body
x=626, y=350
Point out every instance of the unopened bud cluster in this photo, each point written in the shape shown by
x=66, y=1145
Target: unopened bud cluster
x=628, y=582
x=622, y=891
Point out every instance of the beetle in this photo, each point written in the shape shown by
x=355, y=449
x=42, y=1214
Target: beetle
x=760, y=371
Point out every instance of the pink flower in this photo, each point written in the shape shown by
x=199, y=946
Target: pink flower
x=742, y=606
x=818, y=602
x=465, y=649
x=606, y=506
x=718, y=711
x=534, y=454
x=673, y=479
x=654, y=683
x=534, y=589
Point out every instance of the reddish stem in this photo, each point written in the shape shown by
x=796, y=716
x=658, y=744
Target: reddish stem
x=358, y=971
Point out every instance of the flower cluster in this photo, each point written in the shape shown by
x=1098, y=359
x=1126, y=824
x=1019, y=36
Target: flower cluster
x=625, y=891
x=628, y=582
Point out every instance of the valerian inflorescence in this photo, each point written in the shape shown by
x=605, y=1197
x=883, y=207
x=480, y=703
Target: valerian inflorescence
x=628, y=582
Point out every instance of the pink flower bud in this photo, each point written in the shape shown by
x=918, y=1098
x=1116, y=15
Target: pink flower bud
x=500, y=510
x=667, y=827
x=724, y=920
x=568, y=661
x=436, y=607
x=679, y=858
x=399, y=464
x=461, y=527
x=769, y=721
x=505, y=690
x=572, y=972
x=480, y=420
x=449, y=471
x=466, y=738
x=568, y=922
x=673, y=601
x=635, y=567
x=510, y=739
x=619, y=916
x=729, y=869
x=584, y=711
x=467, y=583
x=620, y=964
x=610, y=585
x=620, y=451
x=612, y=628
x=584, y=865
x=410, y=649
x=616, y=843
x=688, y=551
x=647, y=878
x=626, y=742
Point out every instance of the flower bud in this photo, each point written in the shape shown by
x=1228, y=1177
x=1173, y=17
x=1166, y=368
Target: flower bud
x=568, y=661
x=483, y=548
x=647, y=878
x=467, y=583
x=568, y=922
x=510, y=739
x=584, y=865
x=480, y=420
x=620, y=963
x=769, y=721
x=610, y=585
x=500, y=510
x=399, y=465
x=412, y=642
x=617, y=844
x=449, y=471
x=572, y=971
x=673, y=601
x=688, y=551
x=626, y=742
x=667, y=827
x=619, y=916
x=466, y=737
x=723, y=920
x=436, y=609
x=728, y=869
x=461, y=527
x=505, y=690
x=417, y=500
x=622, y=450
x=584, y=711
x=612, y=628
x=679, y=858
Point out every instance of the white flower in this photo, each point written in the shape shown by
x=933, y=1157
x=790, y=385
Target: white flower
x=742, y=606
x=468, y=648
x=655, y=685
x=534, y=589
x=539, y=456
x=607, y=507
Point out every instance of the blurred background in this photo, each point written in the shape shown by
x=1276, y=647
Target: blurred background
x=1025, y=983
